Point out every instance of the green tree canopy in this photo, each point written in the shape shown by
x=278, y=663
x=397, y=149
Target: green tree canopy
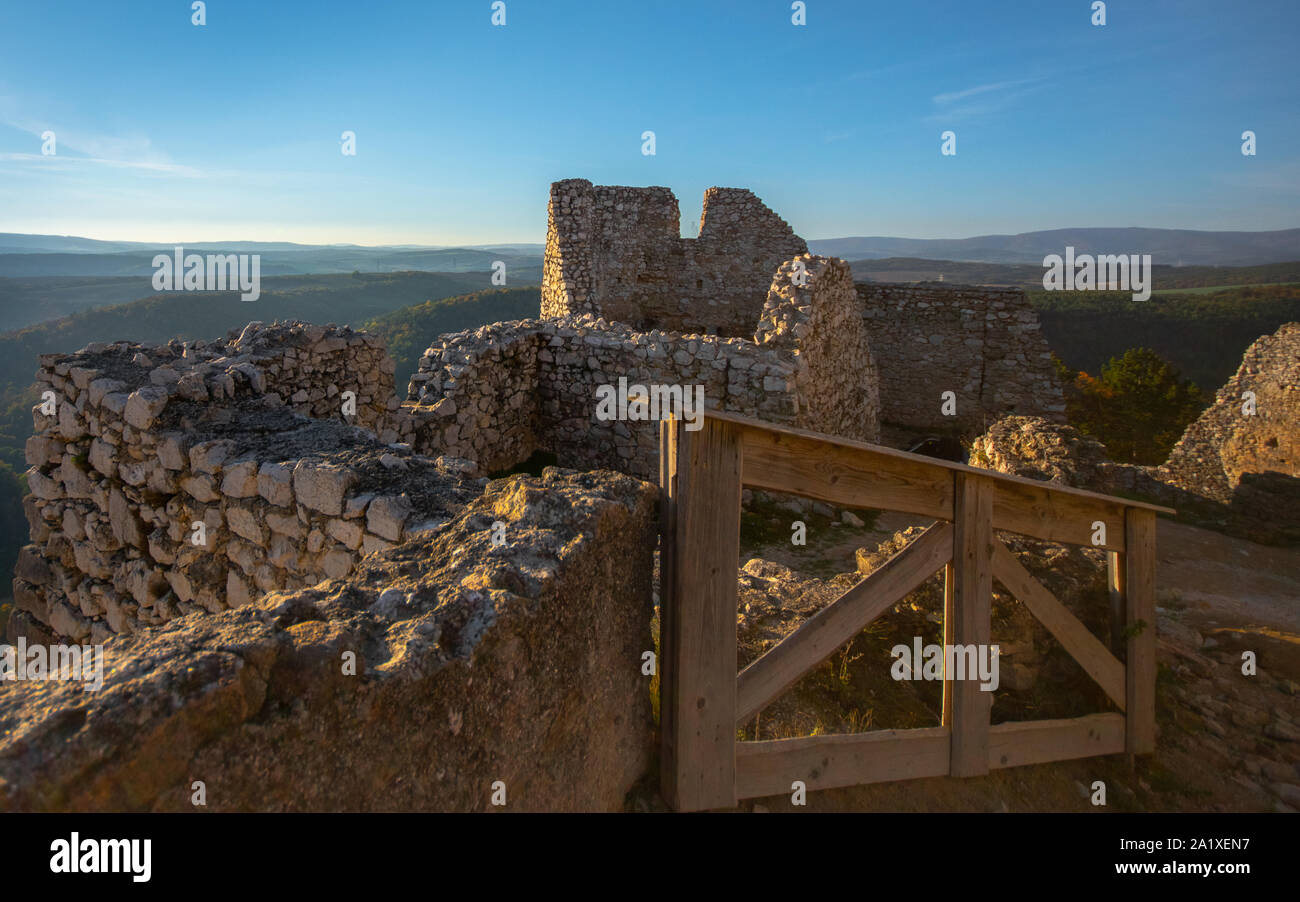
x=1139, y=407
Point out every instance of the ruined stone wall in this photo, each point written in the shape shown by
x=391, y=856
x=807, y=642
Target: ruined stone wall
x=1225, y=444
x=148, y=441
x=180, y=510
x=983, y=344
x=561, y=364
x=1249, y=464
x=475, y=663
x=251, y=439
x=509, y=389
x=475, y=396
x=1263, y=507
x=616, y=252
x=812, y=312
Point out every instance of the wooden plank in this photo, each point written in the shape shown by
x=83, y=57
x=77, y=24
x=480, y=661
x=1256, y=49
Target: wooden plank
x=1074, y=637
x=865, y=476
x=1140, y=625
x=701, y=648
x=850, y=477
x=1115, y=588
x=668, y=431
x=1035, y=742
x=949, y=634
x=830, y=628
x=973, y=592
x=1044, y=513
x=769, y=767
x=951, y=466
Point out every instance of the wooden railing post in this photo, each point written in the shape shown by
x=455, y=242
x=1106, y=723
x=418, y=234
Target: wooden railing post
x=667, y=534
x=971, y=601
x=698, y=616
x=949, y=631
x=1140, y=620
x=1115, y=585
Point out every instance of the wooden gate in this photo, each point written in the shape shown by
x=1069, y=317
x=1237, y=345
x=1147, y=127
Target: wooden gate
x=702, y=700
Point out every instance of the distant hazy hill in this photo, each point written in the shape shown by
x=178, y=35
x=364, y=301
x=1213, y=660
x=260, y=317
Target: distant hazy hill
x=17, y=243
x=1166, y=246
x=519, y=268
x=410, y=330
x=350, y=299
x=29, y=256
x=1025, y=275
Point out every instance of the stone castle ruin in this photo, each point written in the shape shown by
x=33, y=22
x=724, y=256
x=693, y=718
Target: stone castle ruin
x=198, y=476
x=498, y=394
x=616, y=252
x=233, y=516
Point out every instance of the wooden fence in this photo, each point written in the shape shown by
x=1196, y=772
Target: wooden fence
x=703, y=701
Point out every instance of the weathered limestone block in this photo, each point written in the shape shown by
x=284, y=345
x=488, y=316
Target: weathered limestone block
x=172, y=452
x=346, y=532
x=246, y=524
x=322, y=487
x=239, y=480
x=275, y=484
x=387, y=516
x=144, y=405
x=124, y=520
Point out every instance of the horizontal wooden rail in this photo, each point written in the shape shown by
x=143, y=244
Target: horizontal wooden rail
x=770, y=767
x=820, y=635
x=1039, y=741
x=849, y=477
x=823, y=762
x=859, y=474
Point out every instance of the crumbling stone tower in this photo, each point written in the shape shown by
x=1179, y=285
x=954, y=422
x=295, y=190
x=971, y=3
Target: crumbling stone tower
x=616, y=252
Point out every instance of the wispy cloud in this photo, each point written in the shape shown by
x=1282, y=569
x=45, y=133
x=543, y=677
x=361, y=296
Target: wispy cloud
x=982, y=100
x=76, y=146
x=954, y=96
x=64, y=161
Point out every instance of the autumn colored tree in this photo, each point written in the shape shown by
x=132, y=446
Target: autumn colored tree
x=1138, y=407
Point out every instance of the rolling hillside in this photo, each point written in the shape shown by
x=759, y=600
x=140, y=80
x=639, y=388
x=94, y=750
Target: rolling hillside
x=351, y=299
x=410, y=330
x=1168, y=246
x=1202, y=334
x=1030, y=276
x=34, y=256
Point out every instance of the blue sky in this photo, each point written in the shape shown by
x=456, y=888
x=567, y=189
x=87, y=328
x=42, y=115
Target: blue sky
x=167, y=131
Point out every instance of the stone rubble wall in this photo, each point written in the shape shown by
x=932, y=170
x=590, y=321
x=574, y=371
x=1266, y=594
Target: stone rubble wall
x=148, y=441
x=1262, y=509
x=983, y=344
x=475, y=662
x=820, y=324
x=547, y=400
x=1037, y=448
x=616, y=252
x=1224, y=444
x=497, y=394
x=475, y=396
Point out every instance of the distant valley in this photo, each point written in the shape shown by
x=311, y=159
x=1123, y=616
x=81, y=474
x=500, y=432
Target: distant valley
x=1171, y=247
